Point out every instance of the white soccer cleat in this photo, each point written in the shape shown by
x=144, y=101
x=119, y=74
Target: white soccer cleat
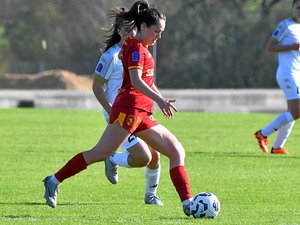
x=152, y=200
x=51, y=191
x=111, y=171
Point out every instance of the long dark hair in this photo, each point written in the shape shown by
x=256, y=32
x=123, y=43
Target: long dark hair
x=139, y=13
x=114, y=37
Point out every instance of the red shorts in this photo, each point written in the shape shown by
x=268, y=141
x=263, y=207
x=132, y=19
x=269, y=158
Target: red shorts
x=132, y=119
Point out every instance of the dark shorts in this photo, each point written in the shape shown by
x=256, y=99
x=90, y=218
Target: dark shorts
x=132, y=119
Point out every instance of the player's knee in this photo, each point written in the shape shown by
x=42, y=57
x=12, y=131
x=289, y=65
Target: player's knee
x=144, y=161
x=155, y=157
x=177, y=157
x=141, y=160
x=154, y=163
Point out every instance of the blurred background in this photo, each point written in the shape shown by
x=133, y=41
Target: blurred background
x=207, y=44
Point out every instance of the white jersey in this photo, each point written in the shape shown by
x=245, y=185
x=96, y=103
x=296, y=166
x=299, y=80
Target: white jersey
x=288, y=32
x=110, y=68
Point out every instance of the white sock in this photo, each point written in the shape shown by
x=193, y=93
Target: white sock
x=54, y=180
x=187, y=201
x=283, y=134
x=152, y=179
x=120, y=158
x=277, y=123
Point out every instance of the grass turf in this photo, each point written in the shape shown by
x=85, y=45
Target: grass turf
x=221, y=157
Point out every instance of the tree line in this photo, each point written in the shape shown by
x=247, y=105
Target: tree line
x=206, y=44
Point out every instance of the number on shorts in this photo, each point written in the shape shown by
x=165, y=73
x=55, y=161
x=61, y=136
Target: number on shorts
x=131, y=138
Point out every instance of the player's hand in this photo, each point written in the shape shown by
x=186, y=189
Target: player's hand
x=167, y=107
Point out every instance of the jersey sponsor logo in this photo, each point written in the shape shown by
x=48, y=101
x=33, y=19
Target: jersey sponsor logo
x=150, y=73
x=136, y=56
x=99, y=67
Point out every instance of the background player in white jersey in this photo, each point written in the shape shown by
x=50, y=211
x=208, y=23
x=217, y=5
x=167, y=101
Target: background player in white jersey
x=108, y=79
x=285, y=40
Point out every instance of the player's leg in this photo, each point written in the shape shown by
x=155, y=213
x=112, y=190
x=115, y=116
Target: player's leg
x=281, y=138
x=152, y=175
x=290, y=87
x=285, y=131
x=162, y=140
x=294, y=107
x=276, y=124
x=111, y=139
x=138, y=155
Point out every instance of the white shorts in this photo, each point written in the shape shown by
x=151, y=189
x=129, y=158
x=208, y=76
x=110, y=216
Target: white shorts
x=131, y=141
x=290, y=87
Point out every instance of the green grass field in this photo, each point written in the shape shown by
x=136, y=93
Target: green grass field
x=221, y=157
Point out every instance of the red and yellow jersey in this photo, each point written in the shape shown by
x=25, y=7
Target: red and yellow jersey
x=135, y=56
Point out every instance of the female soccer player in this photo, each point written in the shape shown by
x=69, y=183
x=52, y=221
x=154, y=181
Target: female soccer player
x=286, y=41
x=108, y=78
x=131, y=112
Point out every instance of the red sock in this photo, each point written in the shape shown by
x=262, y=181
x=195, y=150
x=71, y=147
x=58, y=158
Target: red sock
x=72, y=167
x=181, y=182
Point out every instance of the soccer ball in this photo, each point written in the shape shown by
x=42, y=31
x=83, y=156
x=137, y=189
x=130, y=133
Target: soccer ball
x=205, y=205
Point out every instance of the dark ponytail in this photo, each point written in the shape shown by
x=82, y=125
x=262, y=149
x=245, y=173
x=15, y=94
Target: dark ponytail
x=139, y=13
x=135, y=10
x=114, y=37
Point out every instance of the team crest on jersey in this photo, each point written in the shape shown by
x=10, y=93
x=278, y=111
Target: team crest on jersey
x=99, y=67
x=136, y=56
x=275, y=33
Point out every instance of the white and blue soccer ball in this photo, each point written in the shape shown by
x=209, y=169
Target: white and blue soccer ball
x=205, y=205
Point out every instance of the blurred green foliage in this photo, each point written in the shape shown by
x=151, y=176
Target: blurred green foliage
x=206, y=44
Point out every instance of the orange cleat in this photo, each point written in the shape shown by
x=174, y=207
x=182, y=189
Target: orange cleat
x=279, y=151
x=262, y=141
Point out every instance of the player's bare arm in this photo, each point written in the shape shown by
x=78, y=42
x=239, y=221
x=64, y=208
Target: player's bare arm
x=164, y=104
x=274, y=46
x=98, y=89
